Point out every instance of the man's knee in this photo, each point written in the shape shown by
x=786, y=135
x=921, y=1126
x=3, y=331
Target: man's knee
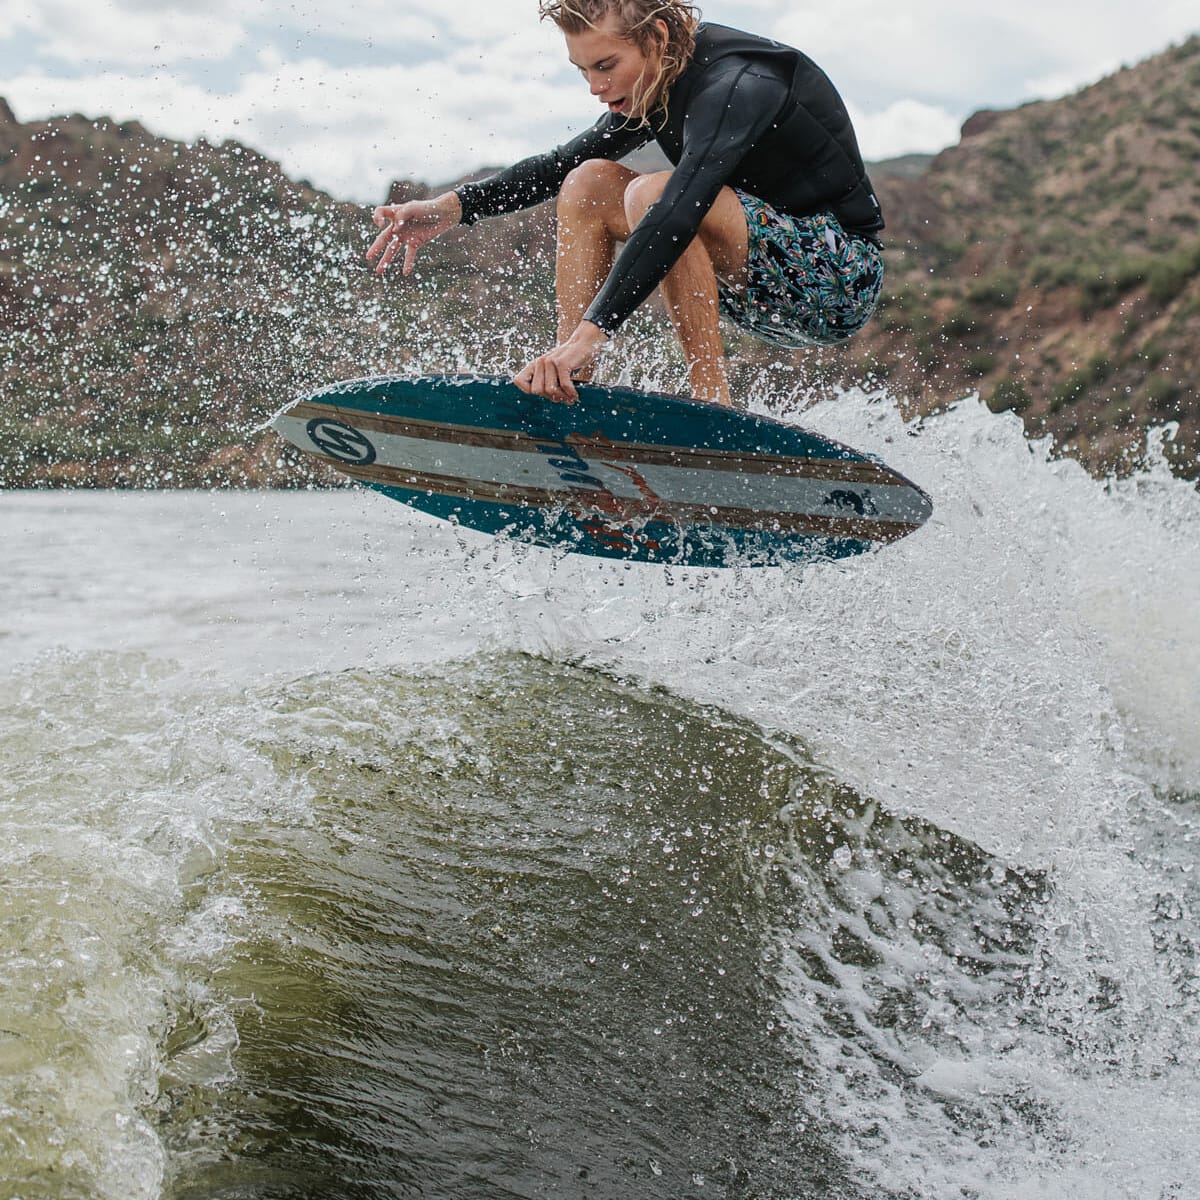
x=643, y=191
x=594, y=180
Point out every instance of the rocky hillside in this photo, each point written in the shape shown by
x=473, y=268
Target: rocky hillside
x=1052, y=261
x=151, y=293
x=160, y=300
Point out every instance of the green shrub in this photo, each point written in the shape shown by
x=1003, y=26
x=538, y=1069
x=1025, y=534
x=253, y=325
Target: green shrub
x=1165, y=395
x=1101, y=287
x=1167, y=276
x=1070, y=391
x=1009, y=395
x=1052, y=272
x=903, y=311
x=876, y=368
x=929, y=357
x=1152, y=353
x=978, y=364
x=958, y=324
x=994, y=291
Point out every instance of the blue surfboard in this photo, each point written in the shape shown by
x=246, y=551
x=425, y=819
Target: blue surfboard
x=620, y=474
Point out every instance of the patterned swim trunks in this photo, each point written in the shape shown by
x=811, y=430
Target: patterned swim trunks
x=809, y=282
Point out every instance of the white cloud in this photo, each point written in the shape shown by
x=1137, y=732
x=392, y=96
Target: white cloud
x=966, y=57
x=355, y=133
x=906, y=127
x=111, y=32
x=351, y=95
x=350, y=131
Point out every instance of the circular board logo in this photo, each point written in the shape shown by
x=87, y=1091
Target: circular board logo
x=340, y=441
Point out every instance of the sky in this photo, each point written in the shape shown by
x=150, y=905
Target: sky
x=350, y=94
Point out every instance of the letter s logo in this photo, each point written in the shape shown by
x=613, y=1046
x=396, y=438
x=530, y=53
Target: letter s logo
x=339, y=441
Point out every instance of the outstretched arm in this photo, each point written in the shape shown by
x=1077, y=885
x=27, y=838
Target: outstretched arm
x=410, y=226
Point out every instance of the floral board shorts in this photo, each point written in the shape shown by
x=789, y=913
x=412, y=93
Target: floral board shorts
x=809, y=282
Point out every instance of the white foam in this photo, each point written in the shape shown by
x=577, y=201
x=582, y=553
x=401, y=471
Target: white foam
x=991, y=672
x=1022, y=671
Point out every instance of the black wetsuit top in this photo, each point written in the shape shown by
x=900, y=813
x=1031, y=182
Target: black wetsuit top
x=745, y=112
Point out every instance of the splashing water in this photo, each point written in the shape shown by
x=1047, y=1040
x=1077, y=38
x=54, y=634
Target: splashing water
x=312, y=865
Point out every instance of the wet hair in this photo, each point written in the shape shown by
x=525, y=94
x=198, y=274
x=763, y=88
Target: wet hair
x=638, y=23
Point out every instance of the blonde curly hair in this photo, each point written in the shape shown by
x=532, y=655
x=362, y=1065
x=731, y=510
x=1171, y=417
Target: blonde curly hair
x=638, y=23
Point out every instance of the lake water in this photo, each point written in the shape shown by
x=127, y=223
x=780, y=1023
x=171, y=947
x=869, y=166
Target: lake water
x=345, y=854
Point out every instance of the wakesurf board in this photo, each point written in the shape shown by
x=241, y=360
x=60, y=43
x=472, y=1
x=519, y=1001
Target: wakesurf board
x=619, y=474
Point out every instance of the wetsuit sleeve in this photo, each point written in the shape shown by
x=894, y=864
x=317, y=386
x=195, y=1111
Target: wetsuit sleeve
x=535, y=179
x=723, y=121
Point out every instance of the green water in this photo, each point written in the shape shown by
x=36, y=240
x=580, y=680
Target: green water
x=526, y=943
x=523, y=948
x=341, y=859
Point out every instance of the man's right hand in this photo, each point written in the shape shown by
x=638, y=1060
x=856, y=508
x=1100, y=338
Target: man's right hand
x=409, y=226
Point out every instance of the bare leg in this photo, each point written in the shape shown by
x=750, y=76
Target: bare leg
x=591, y=221
x=690, y=289
x=690, y=292
x=598, y=205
